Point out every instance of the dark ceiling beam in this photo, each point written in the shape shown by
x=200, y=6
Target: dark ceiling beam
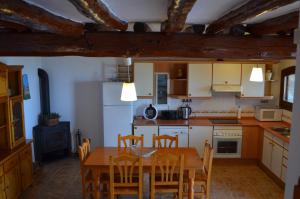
x=36, y=18
x=13, y=26
x=177, y=14
x=98, y=11
x=284, y=23
x=246, y=11
x=125, y=44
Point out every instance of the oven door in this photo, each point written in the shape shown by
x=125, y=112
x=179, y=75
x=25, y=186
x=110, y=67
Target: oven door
x=227, y=147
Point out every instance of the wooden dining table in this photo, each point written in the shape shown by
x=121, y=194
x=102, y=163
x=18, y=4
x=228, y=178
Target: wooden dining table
x=98, y=162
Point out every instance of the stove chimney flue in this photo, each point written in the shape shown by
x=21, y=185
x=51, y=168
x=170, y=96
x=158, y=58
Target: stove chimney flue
x=44, y=91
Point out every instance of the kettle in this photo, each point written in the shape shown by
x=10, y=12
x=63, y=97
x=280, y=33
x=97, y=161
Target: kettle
x=185, y=112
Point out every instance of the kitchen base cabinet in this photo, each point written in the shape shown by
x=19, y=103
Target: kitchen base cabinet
x=250, y=145
x=26, y=167
x=12, y=183
x=147, y=131
x=267, y=152
x=276, y=163
x=198, y=135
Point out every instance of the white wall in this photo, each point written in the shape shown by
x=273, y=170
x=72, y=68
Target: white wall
x=32, y=105
x=75, y=92
x=293, y=172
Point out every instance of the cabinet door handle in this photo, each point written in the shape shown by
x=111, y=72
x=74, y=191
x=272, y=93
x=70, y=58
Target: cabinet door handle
x=190, y=94
x=149, y=93
x=191, y=127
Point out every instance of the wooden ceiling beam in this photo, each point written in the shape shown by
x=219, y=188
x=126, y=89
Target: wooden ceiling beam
x=246, y=11
x=13, y=26
x=36, y=18
x=98, y=11
x=284, y=23
x=125, y=44
x=177, y=14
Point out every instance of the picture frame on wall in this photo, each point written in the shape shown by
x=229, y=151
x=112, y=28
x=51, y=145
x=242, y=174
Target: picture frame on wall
x=26, y=91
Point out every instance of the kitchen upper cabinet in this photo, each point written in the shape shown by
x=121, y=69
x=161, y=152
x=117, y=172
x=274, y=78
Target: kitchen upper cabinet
x=252, y=89
x=250, y=146
x=199, y=80
x=198, y=135
x=143, y=79
x=147, y=131
x=226, y=73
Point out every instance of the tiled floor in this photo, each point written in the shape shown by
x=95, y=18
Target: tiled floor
x=61, y=179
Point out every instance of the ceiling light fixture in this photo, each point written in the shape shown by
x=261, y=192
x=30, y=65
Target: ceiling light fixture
x=256, y=74
x=128, y=89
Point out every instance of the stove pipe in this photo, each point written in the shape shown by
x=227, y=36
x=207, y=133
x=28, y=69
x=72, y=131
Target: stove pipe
x=44, y=91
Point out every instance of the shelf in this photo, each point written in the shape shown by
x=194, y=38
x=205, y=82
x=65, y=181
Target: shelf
x=256, y=98
x=3, y=126
x=178, y=96
x=272, y=80
x=183, y=79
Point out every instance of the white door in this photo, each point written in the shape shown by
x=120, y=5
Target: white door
x=276, y=162
x=252, y=89
x=143, y=79
x=198, y=135
x=147, y=131
x=267, y=152
x=199, y=80
x=116, y=120
x=227, y=74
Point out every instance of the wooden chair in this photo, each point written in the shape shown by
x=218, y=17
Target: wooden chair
x=167, y=174
x=203, y=176
x=123, y=178
x=164, y=141
x=86, y=175
x=130, y=140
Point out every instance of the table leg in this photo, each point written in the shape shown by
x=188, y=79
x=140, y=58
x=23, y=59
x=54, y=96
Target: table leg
x=96, y=174
x=191, y=183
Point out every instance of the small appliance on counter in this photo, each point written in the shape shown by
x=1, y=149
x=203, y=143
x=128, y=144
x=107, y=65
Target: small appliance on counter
x=169, y=115
x=268, y=114
x=185, y=112
x=150, y=112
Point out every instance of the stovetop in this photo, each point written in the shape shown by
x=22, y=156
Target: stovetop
x=225, y=121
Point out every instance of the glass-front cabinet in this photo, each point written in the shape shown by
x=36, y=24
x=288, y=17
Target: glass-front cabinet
x=17, y=121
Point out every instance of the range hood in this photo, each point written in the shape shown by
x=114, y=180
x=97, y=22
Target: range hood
x=227, y=88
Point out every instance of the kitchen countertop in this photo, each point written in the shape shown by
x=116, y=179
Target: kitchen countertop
x=204, y=121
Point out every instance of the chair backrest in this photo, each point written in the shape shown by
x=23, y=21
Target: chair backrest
x=167, y=169
x=207, y=164
x=129, y=140
x=84, y=149
x=123, y=168
x=164, y=141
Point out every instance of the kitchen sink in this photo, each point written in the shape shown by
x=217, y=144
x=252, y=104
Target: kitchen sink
x=285, y=131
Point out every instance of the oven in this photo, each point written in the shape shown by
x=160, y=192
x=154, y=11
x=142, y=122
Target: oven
x=227, y=141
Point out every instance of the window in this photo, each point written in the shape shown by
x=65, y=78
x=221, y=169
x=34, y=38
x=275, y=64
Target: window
x=287, y=88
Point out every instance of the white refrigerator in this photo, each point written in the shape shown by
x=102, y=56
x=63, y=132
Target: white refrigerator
x=117, y=115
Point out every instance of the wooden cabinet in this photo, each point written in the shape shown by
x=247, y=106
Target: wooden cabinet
x=17, y=121
x=5, y=141
x=198, y=135
x=267, y=152
x=199, y=80
x=12, y=178
x=227, y=73
x=276, y=162
x=250, y=145
x=252, y=89
x=26, y=167
x=143, y=79
x=3, y=80
x=147, y=131
x=2, y=184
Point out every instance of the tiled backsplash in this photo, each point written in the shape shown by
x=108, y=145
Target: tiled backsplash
x=222, y=104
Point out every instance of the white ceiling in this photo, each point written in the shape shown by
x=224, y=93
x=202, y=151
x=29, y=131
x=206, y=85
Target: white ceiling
x=203, y=12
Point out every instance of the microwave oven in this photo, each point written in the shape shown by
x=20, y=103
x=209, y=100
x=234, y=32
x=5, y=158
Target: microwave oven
x=268, y=114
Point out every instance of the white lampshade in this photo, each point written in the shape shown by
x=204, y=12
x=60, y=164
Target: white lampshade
x=256, y=75
x=128, y=92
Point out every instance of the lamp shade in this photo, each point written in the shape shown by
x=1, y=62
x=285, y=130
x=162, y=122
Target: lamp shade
x=256, y=75
x=128, y=92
